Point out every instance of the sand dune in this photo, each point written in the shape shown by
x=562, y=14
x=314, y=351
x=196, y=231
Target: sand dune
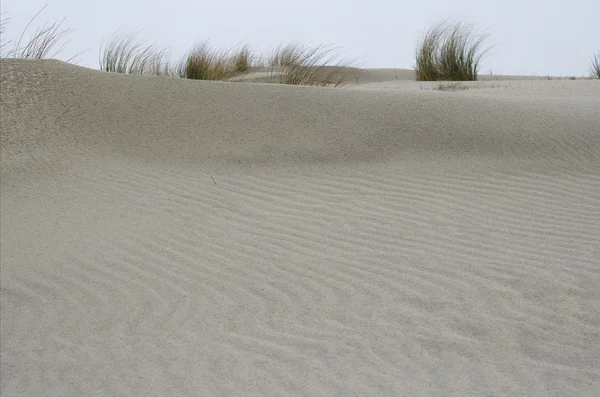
x=167, y=237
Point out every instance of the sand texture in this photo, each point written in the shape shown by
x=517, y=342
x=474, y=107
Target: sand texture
x=168, y=237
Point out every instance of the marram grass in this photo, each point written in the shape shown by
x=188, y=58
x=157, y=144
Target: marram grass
x=299, y=64
x=450, y=51
x=125, y=53
x=595, y=66
x=41, y=44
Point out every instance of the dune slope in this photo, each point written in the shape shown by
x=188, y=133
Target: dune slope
x=171, y=237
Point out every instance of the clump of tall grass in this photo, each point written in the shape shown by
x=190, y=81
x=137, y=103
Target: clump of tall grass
x=303, y=65
x=291, y=64
x=41, y=44
x=125, y=53
x=206, y=63
x=450, y=51
x=595, y=66
x=242, y=59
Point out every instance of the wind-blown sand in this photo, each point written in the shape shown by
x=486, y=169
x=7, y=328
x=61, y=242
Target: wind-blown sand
x=167, y=237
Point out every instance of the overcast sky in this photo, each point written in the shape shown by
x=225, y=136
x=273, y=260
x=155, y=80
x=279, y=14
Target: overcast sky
x=530, y=37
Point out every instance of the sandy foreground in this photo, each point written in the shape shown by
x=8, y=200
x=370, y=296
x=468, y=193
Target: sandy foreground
x=167, y=237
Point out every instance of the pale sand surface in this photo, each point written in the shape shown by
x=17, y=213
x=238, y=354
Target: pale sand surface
x=166, y=237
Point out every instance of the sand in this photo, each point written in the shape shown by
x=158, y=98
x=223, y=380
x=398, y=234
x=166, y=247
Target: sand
x=166, y=237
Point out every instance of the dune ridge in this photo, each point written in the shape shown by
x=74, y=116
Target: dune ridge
x=227, y=123
x=162, y=236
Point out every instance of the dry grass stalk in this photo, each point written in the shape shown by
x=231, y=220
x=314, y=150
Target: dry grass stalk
x=42, y=43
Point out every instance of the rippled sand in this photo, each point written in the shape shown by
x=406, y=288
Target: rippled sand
x=167, y=237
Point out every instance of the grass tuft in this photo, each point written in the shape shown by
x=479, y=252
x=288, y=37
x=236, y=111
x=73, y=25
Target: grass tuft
x=125, y=53
x=291, y=64
x=595, y=66
x=242, y=59
x=450, y=51
x=206, y=63
x=302, y=65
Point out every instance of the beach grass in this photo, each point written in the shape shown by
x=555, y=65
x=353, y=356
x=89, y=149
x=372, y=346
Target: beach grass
x=126, y=53
x=299, y=64
x=242, y=59
x=595, y=66
x=204, y=62
x=450, y=51
x=41, y=44
x=293, y=64
x=3, y=44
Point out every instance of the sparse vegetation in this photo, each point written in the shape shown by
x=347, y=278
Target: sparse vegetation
x=595, y=66
x=206, y=63
x=124, y=53
x=291, y=64
x=455, y=86
x=450, y=51
x=302, y=65
x=41, y=44
x=242, y=59
x=452, y=87
x=566, y=78
x=3, y=43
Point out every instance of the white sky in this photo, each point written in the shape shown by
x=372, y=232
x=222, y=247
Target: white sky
x=530, y=37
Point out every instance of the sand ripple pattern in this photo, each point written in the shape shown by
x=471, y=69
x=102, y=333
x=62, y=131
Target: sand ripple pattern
x=307, y=285
x=472, y=275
